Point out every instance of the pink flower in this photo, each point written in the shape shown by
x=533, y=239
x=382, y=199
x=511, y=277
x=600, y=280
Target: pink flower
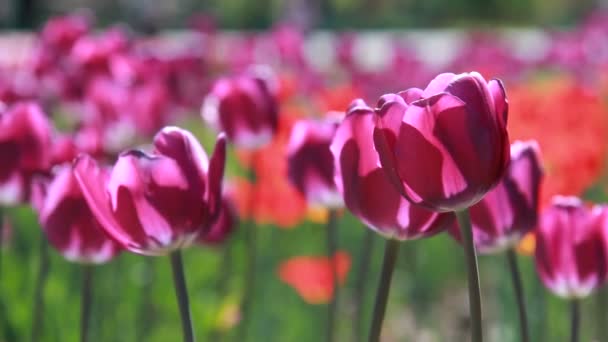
x=366, y=189
x=310, y=162
x=155, y=203
x=69, y=224
x=245, y=108
x=446, y=146
x=571, y=247
x=25, y=149
x=510, y=210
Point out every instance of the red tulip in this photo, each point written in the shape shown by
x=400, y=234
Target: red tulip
x=310, y=162
x=367, y=191
x=571, y=247
x=313, y=277
x=156, y=203
x=70, y=225
x=25, y=149
x=510, y=210
x=446, y=146
x=245, y=108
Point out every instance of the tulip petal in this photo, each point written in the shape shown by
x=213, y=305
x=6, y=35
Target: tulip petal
x=92, y=180
x=216, y=175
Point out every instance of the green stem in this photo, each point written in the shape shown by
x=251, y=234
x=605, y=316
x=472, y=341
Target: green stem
x=181, y=292
x=146, y=316
x=602, y=314
x=464, y=221
x=361, y=283
x=391, y=250
x=332, y=246
x=38, y=308
x=251, y=255
x=519, y=294
x=575, y=320
x=86, y=301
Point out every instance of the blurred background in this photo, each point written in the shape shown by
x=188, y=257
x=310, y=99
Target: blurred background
x=327, y=14
x=553, y=56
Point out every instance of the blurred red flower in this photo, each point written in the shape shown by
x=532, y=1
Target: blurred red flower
x=569, y=122
x=312, y=277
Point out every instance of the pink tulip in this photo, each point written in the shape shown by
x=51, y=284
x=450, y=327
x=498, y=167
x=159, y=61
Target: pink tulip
x=367, y=192
x=310, y=164
x=510, y=210
x=571, y=247
x=69, y=224
x=245, y=108
x=156, y=203
x=25, y=149
x=446, y=146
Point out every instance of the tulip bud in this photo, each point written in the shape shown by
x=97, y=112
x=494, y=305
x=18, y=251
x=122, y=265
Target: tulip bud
x=446, y=146
x=156, y=203
x=510, y=210
x=245, y=108
x=310, y=164
x=70, y=225
x=367, y=191
x=571, y=247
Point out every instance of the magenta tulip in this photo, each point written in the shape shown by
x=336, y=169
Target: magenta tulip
x=156, y=203
x=446, y=146
x=69, y=224
x=310, y=164
x=367, y=192
x=245, y=108
x=571, y=247
x=25, y=149
x=510, y=210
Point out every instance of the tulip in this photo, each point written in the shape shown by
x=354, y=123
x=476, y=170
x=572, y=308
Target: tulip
x=508, y=212
x=72, y=229
x=69, y=224
x=370, y=196
x=311, y=164
x=156, y=203
x=571, y=251
x=366, y=190
x=570, y=248
x=311, y=170
x=25, y=149
x=446, y=146
x=245, y=108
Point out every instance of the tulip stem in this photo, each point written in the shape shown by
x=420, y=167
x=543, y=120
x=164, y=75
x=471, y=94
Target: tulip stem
x=86, y=301
x=43, y=271
x=519, y=294
x=361, y=284
x=575, y=319
x=181, y=291
x=251, y=254
x=602, y=314
x=332, y=246
x=391, y=249
x=464, y=221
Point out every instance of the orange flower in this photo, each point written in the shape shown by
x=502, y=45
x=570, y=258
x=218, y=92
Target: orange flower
x=569, y=121
x=312, y=277
x=337, y=98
